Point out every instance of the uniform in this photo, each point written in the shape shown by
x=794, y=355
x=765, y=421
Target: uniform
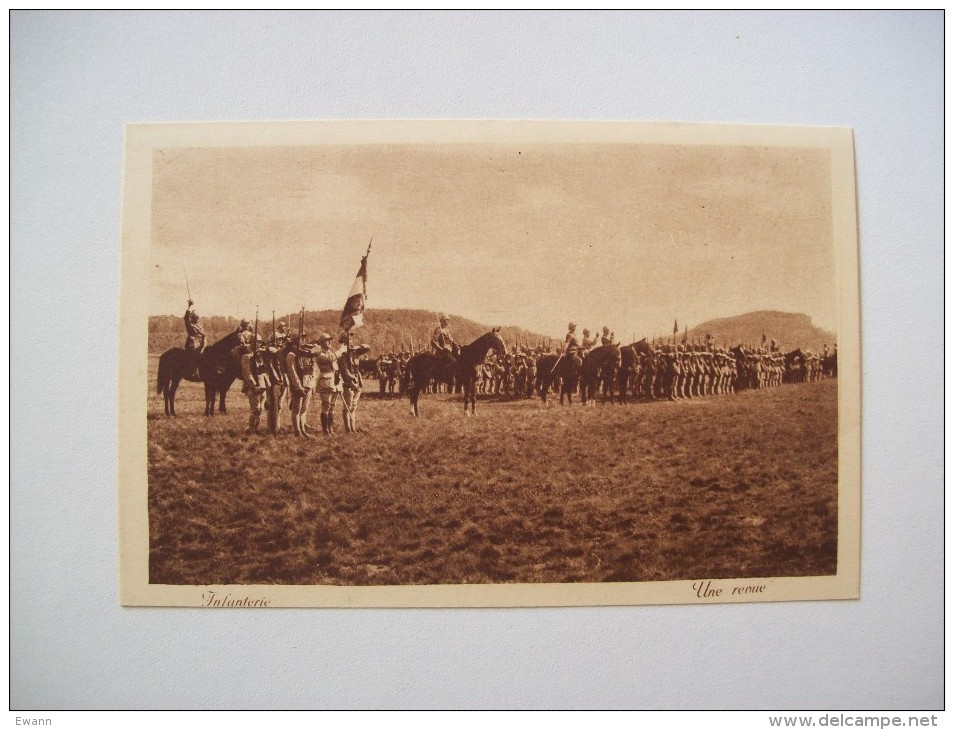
x=195, y=335
x=254, y=383
x=351, y=383
x=588, y=343
x=300, y=371
x=571, y=346
x=328, y=382
x=441, y=340
x=194, y=344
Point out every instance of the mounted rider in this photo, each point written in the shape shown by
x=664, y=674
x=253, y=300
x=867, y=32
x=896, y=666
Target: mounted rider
x=588, y=342
x=195, y=342
x=442, y=343
x=607, y=338
x=571, y=346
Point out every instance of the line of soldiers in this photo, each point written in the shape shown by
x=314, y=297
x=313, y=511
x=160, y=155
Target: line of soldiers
x=293, y=367
x=286, y=366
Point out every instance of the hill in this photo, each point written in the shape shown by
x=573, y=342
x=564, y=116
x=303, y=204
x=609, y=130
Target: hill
x=384, y=329
x=789, y=330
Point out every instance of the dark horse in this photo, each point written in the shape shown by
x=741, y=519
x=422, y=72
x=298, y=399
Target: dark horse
x=174, y=365
x=600, y=364
x=217, y=369
x=557, y=368
x=463, y=365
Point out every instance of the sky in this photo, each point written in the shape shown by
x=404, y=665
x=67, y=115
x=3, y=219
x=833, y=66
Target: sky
x=631, y=236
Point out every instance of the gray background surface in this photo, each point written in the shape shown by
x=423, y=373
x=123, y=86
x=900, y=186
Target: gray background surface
x=77, y=78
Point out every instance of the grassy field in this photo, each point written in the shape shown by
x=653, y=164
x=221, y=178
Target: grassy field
x=728, y=486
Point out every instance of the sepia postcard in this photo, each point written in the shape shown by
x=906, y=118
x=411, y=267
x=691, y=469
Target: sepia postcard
x=488, y=363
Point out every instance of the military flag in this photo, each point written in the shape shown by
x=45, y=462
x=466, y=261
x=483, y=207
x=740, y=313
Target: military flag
x=353, y=313
x=685, y=335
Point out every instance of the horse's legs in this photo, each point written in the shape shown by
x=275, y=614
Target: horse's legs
x=222, y=400
x=172, y=388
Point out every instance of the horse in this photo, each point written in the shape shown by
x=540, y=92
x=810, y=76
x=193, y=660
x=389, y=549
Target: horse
x=462, y=365
x=628, y=373
x=174, y=365
x=566, y=370
x=218, y=369
x=600, y=365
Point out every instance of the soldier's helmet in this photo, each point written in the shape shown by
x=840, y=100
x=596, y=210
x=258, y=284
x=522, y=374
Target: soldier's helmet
x=572, y=325
x=244, y=323
x=586, y=332
x=194, y=316
x=282, y=326
x=606, y=330
x=444, y=319
x=323, y=337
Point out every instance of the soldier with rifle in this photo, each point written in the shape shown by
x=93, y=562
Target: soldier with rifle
x=329, y=382
x=254, y=377
x=274, y=357
x=351, y=380
x=300, y=371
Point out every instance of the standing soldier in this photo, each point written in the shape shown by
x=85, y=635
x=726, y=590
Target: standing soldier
x=351, y=380
x=253, y=381
x=326, y=360
x=277, y=385
x=280, y=336
x=300, y=371
x=195, y=342
x=244, y=331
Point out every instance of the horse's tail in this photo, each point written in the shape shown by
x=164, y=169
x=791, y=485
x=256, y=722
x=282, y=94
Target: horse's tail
x=160, y=380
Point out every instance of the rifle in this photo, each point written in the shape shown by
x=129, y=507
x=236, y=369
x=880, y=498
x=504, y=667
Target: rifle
x=255, y=334
x=274, y=333
x=301, y=328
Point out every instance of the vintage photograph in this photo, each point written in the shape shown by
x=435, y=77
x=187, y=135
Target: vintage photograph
x=488, y=364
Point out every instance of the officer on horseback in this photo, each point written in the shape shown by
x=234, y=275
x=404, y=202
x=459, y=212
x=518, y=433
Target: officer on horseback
x=571, y=346
x=195, y=341
x=441, y=340
x=588, y=342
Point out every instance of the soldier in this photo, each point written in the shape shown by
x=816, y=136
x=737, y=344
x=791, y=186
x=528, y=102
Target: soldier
x=300, y=371
x=254, y=383
x=280, y=336
x=244, y=331
x=195, y=341
x=571, y=346
x=277, y=381
x=441, y=340
x=329, y=385
x=608, y=338
x=588, y=342
x=351, y=380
